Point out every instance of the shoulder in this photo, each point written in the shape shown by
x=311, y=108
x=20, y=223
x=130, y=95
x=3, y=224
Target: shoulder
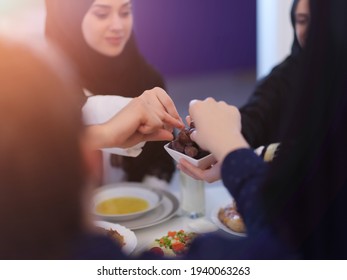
x=282, y=77
x=285, y=68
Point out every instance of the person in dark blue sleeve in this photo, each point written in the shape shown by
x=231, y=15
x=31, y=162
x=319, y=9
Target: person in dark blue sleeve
x=293, y=210
x=297, y=208
x=264, y=116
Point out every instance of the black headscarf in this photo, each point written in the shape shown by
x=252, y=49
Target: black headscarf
x=296, y=48
x=126, y=75
x=264, y=113
x=308, y=186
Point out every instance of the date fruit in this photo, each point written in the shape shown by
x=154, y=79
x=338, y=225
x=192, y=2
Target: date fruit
x=184, y=144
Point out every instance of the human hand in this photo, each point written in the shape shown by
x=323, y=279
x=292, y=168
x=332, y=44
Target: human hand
x=217, y=127
x=209, y=175
x=161, y=103
x=149, y=117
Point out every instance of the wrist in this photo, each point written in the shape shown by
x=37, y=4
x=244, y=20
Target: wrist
x=228, y=145
x=99, y=136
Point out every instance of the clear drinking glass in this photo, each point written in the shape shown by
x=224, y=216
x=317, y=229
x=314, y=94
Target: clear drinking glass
x=192, y=196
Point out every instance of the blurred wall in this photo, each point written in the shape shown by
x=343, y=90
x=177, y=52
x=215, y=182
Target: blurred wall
x=23, y=19
x=181, y=37
x=274, y=33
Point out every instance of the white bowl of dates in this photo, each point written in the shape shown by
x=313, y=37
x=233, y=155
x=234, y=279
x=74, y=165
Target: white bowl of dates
x=184, y=147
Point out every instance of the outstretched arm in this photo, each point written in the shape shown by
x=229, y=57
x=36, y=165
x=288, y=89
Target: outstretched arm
x=149, y=117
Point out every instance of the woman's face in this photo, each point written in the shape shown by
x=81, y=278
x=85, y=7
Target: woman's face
x=107, y=26
x=302, y=21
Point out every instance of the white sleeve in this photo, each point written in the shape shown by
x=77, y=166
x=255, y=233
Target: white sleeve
x=99, y=109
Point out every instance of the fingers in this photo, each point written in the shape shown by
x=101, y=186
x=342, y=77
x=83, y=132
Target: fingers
x=188, y=120
x=209, y=175
x=137, y=137
x=155, y=121
x=171, y=121
x=195, y=104
x=159, y=135
x=188, y=172
x=194, y=137
x=167, y=104
x=191, y=170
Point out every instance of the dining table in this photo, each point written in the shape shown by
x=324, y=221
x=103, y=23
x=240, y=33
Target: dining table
x=216, y=196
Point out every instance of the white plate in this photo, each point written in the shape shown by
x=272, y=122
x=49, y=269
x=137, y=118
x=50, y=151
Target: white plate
x=125, y=190
x=165, y=211
x=202, y=163
x=129, y=236
x=218, y=223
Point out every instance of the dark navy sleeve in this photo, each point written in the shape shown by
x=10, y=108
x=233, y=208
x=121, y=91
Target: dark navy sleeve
x=243, y=173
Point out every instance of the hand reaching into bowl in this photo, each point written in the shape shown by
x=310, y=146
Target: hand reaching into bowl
x=217, y=127
x=210, y=175
x=149, y=117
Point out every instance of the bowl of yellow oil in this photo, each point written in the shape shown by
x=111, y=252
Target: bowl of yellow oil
x=124, y=201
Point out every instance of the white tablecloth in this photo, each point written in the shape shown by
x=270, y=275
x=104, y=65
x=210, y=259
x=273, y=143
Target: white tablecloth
x=216, y=196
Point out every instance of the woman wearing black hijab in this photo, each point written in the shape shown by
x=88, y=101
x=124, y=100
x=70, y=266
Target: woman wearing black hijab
x=40, y=109
x=262, y=116
x=297, y=208
x=313, y=172
x=299, y=211
x=125, y=74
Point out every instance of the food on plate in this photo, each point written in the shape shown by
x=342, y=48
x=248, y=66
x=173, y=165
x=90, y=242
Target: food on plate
x=174, y=244
x=231, y=218
x=121, y=205
x=113, y=234
x=185, y=145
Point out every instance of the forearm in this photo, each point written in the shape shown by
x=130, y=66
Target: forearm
x=98, y=136
x=232, y=142
x=243, y=173
x=97, y=113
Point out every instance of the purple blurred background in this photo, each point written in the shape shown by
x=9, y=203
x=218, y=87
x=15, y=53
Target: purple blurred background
x=188, y=37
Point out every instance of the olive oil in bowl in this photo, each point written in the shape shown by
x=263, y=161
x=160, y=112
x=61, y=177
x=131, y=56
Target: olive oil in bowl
x=124, y=201
x=121, y=206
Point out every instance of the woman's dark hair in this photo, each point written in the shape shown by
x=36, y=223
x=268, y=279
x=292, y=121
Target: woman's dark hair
x=296, y=48
x=311, y=176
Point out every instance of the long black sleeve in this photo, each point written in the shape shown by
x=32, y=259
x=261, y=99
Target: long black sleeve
x=263, y=115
